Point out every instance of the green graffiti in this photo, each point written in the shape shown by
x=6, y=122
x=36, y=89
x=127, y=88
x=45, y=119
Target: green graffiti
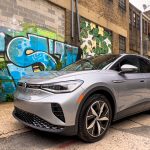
x=2, y=65
x=34, y=29
x=9, y=98
x=94, y=39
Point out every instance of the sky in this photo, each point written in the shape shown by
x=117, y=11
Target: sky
x=139, y=4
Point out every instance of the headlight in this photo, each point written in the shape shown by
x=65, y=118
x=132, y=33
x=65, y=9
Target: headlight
x=62, y=87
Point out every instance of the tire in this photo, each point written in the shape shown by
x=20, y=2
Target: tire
x=92, y=127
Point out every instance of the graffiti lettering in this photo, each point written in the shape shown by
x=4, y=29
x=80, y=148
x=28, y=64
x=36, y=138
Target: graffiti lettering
x=30, y=53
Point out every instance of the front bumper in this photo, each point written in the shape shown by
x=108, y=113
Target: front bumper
x=37, y=112
x=38, y=123
x=35, y=121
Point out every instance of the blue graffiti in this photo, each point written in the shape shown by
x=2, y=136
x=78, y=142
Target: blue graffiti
x=71, y=54
x=51, y=46
x=2, y=41
x=6, y=86
x=17, y=72
x=25, y=52
x=28, y=54
x=67, y=52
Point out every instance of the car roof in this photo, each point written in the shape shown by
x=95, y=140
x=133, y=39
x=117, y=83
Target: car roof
x=120, y=55
x=135, y=55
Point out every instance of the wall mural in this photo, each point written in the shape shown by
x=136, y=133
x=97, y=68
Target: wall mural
x=32, y=49
x=95, y=40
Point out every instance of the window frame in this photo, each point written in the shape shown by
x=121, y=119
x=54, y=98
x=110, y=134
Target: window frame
x=123, y=58
x=134, y=19
x=138, y=22
x=130, y=16
x=122, y=4
x=122, y=41
x=146, y=61
x=145, y=26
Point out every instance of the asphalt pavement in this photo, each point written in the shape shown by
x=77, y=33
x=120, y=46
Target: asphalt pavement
x=132, y=133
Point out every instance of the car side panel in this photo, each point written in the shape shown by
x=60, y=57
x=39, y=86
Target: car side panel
x=132, y=90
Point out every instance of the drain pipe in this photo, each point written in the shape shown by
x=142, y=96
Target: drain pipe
x=78, y=19
x=72, y=20
x=141, y=33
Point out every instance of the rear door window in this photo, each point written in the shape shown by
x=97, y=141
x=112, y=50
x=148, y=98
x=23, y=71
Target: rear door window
x=144, y=65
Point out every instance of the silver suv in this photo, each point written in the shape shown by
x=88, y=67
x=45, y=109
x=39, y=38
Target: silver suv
x=85, y=97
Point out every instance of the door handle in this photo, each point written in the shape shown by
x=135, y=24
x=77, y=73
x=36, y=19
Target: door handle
x=118, y=81
x=142, y=81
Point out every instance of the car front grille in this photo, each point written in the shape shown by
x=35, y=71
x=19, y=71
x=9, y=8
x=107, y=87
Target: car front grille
x=35, y=121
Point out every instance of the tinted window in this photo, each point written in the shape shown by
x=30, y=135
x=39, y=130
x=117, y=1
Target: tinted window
x=104, y=61
x=144, y=65
x=80, y=65
x=99, y=62
x=128, y=60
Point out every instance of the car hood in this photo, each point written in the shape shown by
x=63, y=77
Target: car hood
x=53, y=76
x=46, y=74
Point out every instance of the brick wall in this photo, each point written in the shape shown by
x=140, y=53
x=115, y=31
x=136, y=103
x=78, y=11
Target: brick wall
x=105, y=13
x=40, y=12
x=68, y=35
x=135, y=43
x=111, y=11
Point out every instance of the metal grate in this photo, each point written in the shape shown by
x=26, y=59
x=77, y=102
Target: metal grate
x=34, y=120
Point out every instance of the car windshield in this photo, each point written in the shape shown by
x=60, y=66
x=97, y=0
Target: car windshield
x=92, y=63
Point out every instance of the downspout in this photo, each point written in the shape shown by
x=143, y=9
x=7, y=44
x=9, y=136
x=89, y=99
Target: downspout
x=72, y=19
x=78, y=19
x=141, y=33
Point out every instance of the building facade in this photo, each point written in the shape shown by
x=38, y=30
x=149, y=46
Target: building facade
x=109, y=17
x=36, y=35
x=147, y=13
x=135, y=34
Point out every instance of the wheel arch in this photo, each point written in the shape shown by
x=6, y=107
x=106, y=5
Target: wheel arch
x=98, y=90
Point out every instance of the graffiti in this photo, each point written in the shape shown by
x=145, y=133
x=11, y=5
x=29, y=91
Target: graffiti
x=30, y=50
x=94, y=39
x=24, y=52
x=2, y=41
x=31, y=28
x=7, y=86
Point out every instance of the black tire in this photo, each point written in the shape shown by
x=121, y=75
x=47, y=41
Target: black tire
x=87, y=134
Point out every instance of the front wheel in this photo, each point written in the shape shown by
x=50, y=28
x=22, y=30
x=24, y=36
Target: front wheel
x=95, y=118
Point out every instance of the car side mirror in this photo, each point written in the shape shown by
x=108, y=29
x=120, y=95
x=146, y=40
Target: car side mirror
x=128, y=69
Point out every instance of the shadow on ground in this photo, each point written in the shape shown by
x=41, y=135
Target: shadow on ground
x=37, y=140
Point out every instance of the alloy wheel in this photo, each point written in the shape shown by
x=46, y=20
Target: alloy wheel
x=97, y=118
